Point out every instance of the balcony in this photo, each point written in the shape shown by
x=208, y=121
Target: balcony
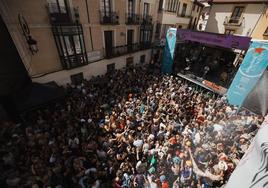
x=233, y=21
x=183, y=15
x=111, y=18
x=147, y=19
x=62, y=14
x=132, y=19
x=126, y=49
x=70, y=44
x=145, y=45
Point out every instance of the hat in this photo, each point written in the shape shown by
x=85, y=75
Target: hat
x=151, y=170
x=222, y=165
x=176, y=160
x=188, y=143
x=162, y=178
x=189, y=163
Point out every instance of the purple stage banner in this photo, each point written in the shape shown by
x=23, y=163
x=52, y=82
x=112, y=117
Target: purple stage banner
x=226, y=41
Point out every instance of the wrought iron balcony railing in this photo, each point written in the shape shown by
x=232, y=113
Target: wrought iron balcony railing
x=62, y=14
x=126, y=49
x=184, y=15
x=147, y=19
x=233, y=21
x=109, y=17
x=133, y=19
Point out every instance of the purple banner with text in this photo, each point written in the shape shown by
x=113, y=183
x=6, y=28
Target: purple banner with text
x=226, y=41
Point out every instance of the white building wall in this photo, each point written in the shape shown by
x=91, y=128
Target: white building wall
x=219, y=12
x=173, y=19
x=93, y=69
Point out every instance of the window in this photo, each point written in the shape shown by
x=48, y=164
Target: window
x=142, y=59
x=184, y=7
x=106, y=7
x=57, y=6
x=73, y=45
x=194, y=25
x=193, y=7
x=178, y=9
x=77, y=79
x=160, y=5
x=229, y=31
x=236, y=14
x=110, y=68
x=131, y=8
x=70, y=44
x=146, y=9
x=172, y=5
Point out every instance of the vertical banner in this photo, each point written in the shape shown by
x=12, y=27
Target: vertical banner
x=168, y=56
x=251, y=171
x=250, y=71
x=257, y=99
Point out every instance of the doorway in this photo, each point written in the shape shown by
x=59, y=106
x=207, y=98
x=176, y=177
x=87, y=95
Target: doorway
x=130, y=34
x=108, y=39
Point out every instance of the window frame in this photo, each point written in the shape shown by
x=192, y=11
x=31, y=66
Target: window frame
x=266, y=32
x=235, y=16
x=183, y=12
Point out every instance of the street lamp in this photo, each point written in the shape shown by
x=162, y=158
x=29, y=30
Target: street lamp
x=32, y=45
x=26, y=33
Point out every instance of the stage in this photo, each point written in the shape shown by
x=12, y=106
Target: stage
x=204, y=83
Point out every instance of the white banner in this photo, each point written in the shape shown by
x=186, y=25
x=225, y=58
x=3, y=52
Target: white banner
x=252, y=170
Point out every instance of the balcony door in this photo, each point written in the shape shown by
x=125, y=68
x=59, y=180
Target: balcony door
x=236, y=14
x=130, y=35
x=146, y=10
x=184, y=8
x=131, y=7
x=58, y=10
x=106, y=10
x=108, y=39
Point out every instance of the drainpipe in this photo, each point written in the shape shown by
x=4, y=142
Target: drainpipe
x=90, y=33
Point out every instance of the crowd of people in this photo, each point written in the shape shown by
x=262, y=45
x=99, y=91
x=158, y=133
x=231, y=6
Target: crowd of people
x=130, y=128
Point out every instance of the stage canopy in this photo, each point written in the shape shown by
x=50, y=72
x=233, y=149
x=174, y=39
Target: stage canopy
x=222, y=40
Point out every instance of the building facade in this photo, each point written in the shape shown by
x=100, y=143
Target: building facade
x=177, y=13
x=204, y=15
x=261, y=29
x=235, y=16
x=59, y=39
